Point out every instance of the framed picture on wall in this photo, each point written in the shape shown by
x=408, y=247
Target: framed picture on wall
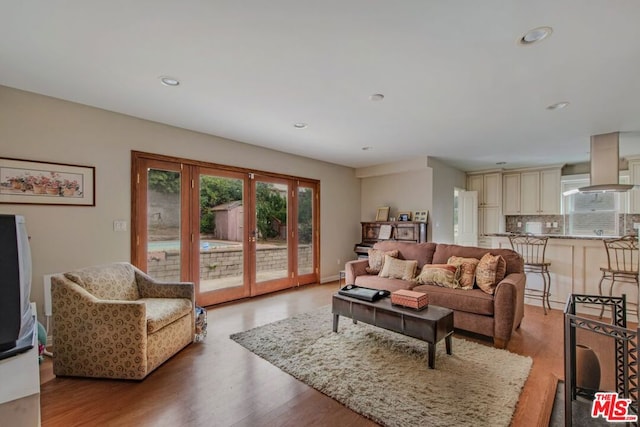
x=45, y=183
x=383, y=214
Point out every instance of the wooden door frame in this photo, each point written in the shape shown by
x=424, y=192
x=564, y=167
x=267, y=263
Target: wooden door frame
x=226, y=294
x=188, y=169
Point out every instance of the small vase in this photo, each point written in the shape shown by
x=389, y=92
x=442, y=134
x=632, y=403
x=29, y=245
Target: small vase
x=68, y=192
x=38, y=189
x=53, y=191
x=587, y=368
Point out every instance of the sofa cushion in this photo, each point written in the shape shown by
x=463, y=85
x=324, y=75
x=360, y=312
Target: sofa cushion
x=467, y=270
x=491, y=270
x=398, y=269
x=439, y=274
x=472, y=301
x=377, y=282
x=421, y=252
x=115, y=281
x=164, y=311
x=443, y=251
x=376, y=259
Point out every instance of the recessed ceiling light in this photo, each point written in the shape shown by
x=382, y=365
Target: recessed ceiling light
x=376, y=97
x=558, y=105
x=367, y=148
x=169, y=81
x=536, y=35
x=300, y=125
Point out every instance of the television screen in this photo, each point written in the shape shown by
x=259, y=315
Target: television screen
x=16, y=319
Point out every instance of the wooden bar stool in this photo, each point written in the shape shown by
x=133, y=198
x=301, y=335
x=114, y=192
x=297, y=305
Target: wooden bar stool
x=532, y=249
x=622, y=265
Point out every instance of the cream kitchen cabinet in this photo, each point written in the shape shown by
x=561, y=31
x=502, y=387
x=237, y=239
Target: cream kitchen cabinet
x=532, y=192
x=634, y=176
x=511, y=194
x=489, y=188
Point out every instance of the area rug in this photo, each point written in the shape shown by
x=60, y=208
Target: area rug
x=384, y=375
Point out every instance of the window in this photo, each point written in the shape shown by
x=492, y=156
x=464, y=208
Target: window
x=591, y=213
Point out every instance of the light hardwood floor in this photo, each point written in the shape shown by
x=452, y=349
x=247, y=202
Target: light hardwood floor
x=219, y=383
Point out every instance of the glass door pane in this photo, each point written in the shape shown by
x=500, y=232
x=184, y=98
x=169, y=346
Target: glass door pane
x=271, y=249
x=305, y=230
x=221, y=236
x=164, y=223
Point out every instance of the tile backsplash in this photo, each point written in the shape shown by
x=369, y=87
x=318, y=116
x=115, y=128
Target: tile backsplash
x=518, y=223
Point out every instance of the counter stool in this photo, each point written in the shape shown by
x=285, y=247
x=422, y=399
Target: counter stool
x=622, y=265
x=532, y=249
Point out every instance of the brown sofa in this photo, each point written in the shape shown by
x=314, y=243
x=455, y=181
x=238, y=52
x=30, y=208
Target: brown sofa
x=496, y=315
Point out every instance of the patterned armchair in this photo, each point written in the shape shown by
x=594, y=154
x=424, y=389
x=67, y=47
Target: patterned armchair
x=114, y=321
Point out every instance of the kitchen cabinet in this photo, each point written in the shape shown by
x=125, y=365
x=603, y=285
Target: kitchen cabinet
x=511, y=194
x=634, y=176
x=489, y=188
x=532, y=192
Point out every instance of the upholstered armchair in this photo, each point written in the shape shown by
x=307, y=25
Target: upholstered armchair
x=114, y=321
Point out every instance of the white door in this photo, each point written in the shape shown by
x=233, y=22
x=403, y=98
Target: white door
x=468, y=218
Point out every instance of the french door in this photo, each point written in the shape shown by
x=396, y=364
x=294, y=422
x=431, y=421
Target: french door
x=232, y=232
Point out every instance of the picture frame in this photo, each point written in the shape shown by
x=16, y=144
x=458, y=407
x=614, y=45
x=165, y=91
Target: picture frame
x=46, y=183
x=404, y=216
x=421, y=215
x=382, y=214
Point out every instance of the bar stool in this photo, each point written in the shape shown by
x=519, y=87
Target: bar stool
x=622, y=265
x=532, y=250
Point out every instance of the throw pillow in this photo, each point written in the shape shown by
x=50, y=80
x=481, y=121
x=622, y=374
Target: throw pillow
x=445, y=275
x=467, y=270
x=376, y=259
x=398, y=269
x=490, y=271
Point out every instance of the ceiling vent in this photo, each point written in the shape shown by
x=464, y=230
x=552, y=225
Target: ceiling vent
x=605, y=158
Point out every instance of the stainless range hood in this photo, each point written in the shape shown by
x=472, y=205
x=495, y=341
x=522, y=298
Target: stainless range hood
x=605, y=158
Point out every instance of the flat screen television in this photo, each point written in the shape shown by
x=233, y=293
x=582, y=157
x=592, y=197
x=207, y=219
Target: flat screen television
x=16, y=319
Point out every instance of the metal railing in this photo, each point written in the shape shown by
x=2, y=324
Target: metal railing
x=626, y=349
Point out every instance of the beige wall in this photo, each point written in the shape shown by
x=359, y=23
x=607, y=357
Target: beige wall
x=445, y=178
x=403, y=186
x=419, y=184
x=36, y=127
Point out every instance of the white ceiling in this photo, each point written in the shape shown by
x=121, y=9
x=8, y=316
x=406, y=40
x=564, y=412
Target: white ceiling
x=457, y=84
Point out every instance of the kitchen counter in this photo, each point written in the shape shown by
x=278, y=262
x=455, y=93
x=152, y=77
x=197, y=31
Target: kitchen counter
x=575, y=269
x=557, y=236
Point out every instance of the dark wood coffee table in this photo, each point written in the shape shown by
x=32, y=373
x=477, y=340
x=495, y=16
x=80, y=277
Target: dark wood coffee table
x=430, y=324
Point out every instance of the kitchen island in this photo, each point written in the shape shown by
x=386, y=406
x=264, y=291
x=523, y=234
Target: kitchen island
x=575, y=269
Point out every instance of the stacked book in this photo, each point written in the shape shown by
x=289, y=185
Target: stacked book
x=411, y=299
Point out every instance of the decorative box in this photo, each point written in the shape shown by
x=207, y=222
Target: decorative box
x=411, y=299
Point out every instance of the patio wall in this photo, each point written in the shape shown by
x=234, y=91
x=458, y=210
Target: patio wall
x=220, y=263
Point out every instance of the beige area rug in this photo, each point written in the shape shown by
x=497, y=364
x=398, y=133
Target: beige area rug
x=384, y=376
